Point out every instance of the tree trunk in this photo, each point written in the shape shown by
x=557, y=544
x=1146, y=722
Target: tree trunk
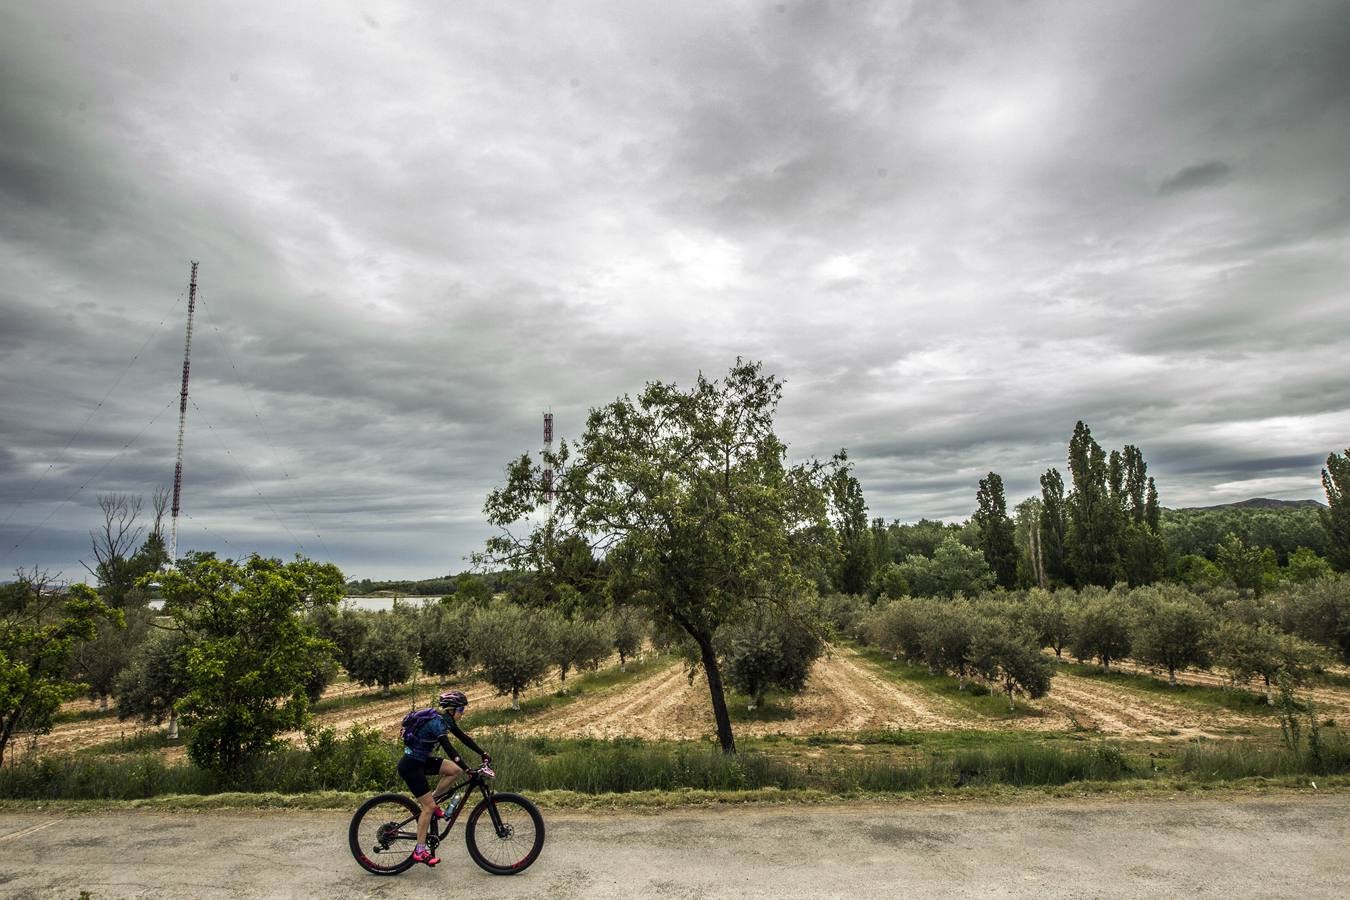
x=173, y=724
x=1172, y=676
x=719, y=700
x=515, y=699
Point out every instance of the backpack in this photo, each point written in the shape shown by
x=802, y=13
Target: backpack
x=413, y=723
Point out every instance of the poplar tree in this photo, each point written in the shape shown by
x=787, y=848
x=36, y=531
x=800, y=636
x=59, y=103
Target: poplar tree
x=996, y=530
x=1054, y=526
x=1336, y=517
x=1093, y=535
x=857, y=561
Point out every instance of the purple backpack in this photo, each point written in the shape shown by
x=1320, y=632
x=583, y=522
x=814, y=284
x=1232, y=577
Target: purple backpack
x=413, y=723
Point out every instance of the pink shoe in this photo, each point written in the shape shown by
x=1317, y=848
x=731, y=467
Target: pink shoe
x=438, y=813
x=424, y=856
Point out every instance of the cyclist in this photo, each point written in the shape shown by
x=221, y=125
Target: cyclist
x=417, y=763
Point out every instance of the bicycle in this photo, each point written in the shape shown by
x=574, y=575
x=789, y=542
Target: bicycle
x=383, y=832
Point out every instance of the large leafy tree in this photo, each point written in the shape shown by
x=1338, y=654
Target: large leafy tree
x=689, y=495
x=40, y=623
x=252, y=652
x=1135, y=501
x=1336, y=517
x=996, y=530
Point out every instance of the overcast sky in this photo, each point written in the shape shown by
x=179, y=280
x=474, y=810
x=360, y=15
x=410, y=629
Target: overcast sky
x=953, y=229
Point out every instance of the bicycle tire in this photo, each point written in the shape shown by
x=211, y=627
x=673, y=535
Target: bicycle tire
x=513, y=852
x=366, y=833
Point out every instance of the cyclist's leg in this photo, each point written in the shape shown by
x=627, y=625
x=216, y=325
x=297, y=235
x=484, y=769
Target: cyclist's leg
x=448, y=772
x=414, y=776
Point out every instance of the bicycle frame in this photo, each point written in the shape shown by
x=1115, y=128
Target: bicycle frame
x=476, y=780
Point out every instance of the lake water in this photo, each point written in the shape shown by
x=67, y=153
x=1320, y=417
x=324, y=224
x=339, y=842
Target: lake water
x=368, y=603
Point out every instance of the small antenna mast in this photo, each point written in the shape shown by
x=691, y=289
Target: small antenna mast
x=182, y=418
x=548, y=466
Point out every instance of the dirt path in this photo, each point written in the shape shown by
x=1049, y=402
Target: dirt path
x=1331, y=699
x=843, y=694
x=1281, y=846
x=658, y=706
x=1116, y=710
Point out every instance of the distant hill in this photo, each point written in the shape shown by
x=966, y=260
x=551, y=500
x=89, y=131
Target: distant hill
x=1258, y=503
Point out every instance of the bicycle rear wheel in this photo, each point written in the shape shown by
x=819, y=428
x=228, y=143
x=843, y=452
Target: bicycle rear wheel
x=383, y=833
x=510, y=849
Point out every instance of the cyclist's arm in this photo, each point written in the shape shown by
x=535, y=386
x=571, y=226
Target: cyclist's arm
x=450, y=751
x=464, y=738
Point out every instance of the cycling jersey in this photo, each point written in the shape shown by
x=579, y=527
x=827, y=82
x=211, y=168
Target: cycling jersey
x=436, y=732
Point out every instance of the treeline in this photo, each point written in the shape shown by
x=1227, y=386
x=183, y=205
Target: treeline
x=1103, y=526
x=468, y=584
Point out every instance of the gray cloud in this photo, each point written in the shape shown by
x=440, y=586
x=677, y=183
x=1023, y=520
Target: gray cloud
x=419, y=230
x=1198, y=176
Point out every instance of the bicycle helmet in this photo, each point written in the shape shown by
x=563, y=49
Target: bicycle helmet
x=453, y=700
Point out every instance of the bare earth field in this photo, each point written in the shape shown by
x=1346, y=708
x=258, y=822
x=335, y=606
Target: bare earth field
x=1282, y=846
x=844, y=694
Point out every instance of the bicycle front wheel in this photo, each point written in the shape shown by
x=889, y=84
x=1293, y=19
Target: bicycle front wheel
x=508, y=848
x=383, y=833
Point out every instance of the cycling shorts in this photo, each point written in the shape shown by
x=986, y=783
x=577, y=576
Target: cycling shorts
x=414, y=772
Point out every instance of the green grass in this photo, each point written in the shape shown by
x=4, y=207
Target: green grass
x=1335, y=679
x=974, y=697
x=142, y=739
x=1201, y=697
x=1207, y=761
x=84, y=715
x=888, y=762
x=777, y=707
x=349, y=701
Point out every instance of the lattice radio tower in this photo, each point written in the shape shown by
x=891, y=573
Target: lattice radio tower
x=548, y=466
x=182, y=419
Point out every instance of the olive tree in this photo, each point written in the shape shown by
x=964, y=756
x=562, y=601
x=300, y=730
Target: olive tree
x=152, y=686
x=1100, y=627
x=1011, y=659
x=688, y=495
x=1171, y=630
x=510, y=647
x=772, y=648
x=387, y=653
x=630, y=629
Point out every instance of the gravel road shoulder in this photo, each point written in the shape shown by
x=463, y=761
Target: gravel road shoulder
x=1282, y=846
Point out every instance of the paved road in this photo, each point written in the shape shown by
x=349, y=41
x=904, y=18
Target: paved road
x=1268, y=847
